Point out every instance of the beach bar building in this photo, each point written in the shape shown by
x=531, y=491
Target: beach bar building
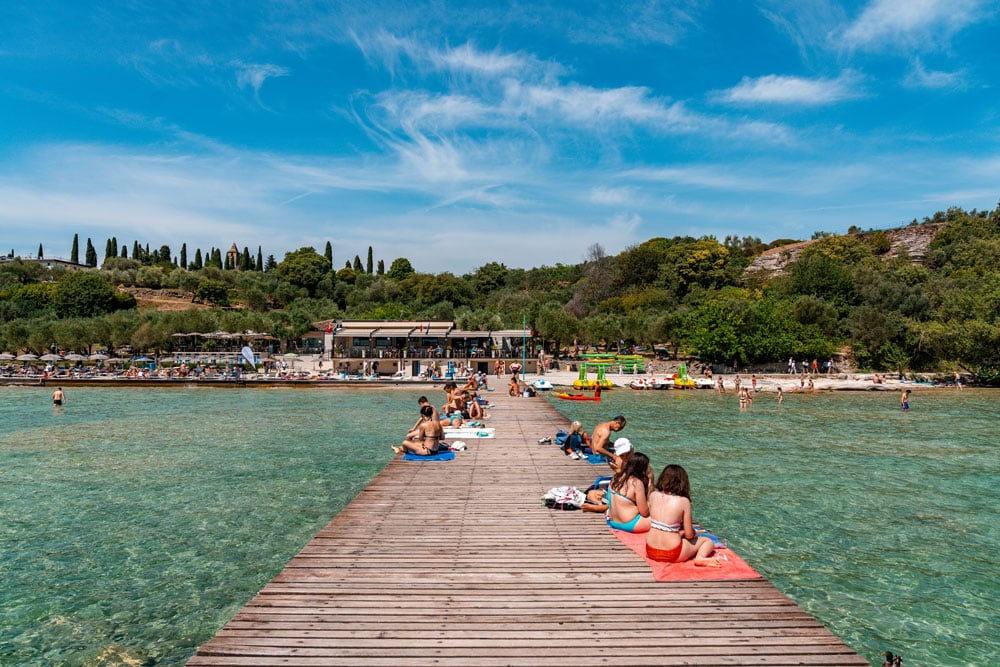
x=416, y=347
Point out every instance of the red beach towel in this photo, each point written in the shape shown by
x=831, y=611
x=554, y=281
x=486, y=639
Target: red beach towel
x=733, y=567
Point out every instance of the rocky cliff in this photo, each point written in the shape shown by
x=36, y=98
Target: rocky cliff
x=914, y=239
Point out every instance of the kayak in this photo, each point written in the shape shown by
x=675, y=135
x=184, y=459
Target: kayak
x=577, y=397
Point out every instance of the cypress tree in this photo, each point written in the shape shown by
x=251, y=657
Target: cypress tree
x=216, y=258
x=329, y=253
x=368, y=266
x=91, y=254
x=107, y=250
x=41, y=255
x=197, y=260
x=136, y=251
x=381, y=267
x=357, y=265
x=260, y=260
x=124, y=252
x=184, y=255
x=245, y=259
x=114, y=246
x=74, y=254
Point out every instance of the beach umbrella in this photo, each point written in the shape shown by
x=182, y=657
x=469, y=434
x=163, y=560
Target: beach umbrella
x=73, y=356
x=143, y=358
x=99, y=357
x=26, y=357
x=50, y=357
x=7, y=356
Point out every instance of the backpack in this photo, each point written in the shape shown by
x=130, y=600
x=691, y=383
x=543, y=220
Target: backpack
x=560, y=437
x=564, y=498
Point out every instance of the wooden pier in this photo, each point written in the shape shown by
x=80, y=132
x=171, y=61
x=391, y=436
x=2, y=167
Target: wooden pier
x=457, y=563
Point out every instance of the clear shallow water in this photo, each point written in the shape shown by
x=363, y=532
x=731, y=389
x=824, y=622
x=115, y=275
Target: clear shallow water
x=881, y=524
x=137, y=522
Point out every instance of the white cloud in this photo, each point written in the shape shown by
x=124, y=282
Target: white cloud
x=793, y=90
x=611, y=196
x=920, y=77
x=255, y=74
x=887, y=23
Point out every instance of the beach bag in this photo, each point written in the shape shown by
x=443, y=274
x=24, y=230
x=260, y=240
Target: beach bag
x=564, y=498
x=560, y=437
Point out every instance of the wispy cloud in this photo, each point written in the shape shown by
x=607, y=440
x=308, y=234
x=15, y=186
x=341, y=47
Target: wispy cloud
x=255, y=74
x=793, y=90
x=921, y=77
x=885, y=24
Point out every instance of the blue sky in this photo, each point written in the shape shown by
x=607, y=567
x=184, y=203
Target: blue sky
x=456, y=134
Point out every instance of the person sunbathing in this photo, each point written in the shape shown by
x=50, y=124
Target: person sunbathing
x=426, y=439
x=672, y=538
x=628, y=509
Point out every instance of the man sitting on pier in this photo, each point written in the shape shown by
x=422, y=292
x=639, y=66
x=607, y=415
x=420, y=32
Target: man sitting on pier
x=601, y=437
x=425, y=439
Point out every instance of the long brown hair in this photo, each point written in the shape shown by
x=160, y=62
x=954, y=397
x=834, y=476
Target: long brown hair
x=674, y=480
x=636, y=466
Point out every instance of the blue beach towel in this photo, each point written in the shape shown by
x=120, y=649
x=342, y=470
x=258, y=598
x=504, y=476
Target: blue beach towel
x=440, y=456
x=596, y=459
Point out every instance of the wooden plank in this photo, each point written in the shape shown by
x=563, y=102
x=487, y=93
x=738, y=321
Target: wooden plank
x=458, y=563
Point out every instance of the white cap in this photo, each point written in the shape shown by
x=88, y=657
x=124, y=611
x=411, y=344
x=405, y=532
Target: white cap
x=622, y=445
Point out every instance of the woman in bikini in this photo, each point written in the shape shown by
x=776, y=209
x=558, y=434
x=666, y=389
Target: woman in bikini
x=671, y=538
x=425, y=440
x=628, y=509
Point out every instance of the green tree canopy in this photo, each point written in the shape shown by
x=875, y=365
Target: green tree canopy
x=304, y=268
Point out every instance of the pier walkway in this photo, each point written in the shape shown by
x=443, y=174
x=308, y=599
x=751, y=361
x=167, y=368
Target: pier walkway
x=457, y=563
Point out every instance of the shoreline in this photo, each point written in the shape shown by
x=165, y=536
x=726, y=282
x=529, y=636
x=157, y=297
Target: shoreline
x=562, y=379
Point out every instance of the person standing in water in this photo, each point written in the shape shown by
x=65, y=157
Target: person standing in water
x=904, y=400
x=58, y=397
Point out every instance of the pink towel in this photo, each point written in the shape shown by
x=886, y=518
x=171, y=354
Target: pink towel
x=733, y=567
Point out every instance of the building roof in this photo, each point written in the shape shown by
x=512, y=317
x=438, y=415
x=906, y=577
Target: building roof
x=409, y=329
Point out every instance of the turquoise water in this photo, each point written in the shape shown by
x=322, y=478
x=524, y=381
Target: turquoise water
x=137, y=522
x=881, y=524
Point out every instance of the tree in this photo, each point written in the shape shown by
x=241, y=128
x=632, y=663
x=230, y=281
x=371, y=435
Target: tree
x=357, y=265
x=74, y=254
x=381, y=267
x=91, y=255
x=184, y=255
x=124, y=252
x=260, y=260
x=165, y=253
x=369, y=268
x=214, y=292
x=83, y=294
x=197, y=259
x=245, y=259
x=304, y=268
x=328, y=253
x=400, y=269
x=271, y=264
x=41, y=255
